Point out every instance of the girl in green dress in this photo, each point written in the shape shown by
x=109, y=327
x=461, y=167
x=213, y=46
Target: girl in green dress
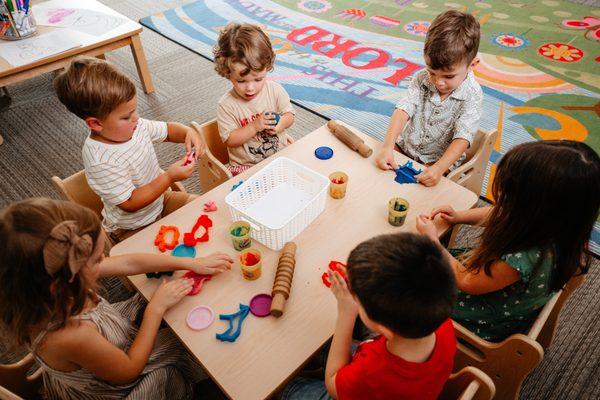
x=547, y=198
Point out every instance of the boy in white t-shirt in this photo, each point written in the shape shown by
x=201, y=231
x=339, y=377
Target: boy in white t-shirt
x=118, y=156
x=246, y=114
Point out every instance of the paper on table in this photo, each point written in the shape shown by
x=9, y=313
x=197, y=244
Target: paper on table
x=83, y=20
x=26, y=51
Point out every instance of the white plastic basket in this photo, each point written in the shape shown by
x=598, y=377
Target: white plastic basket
x=279, y=201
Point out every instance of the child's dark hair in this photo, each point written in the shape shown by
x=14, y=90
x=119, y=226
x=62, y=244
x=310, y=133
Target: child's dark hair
x=245, y=44
x=404, y=282
x=31, y=296
x=547, y=197
x=452, y=38
x=90, y=87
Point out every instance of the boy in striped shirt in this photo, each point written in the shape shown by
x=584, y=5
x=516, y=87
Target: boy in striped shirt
x=118, y=155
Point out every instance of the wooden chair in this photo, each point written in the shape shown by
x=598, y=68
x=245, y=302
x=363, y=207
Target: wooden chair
x=469, y=383
x=211, y=166
x=75, y=188
x=15, y=384
x=509, y=362
x=472, y=171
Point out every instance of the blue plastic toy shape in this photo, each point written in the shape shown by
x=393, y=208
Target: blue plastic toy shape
x=233, y=332
x=406, y=173
x=235, y=186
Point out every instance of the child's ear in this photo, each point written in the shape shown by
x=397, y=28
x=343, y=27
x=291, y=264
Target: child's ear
x=93, y=123
x=474, y=62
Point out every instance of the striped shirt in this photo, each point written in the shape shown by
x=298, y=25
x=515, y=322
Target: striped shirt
x=114, y=171
x=434, y=123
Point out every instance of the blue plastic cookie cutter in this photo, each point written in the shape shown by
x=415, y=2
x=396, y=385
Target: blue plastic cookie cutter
x=231, y=334
x=406, y=173
x=323, y=153
x=236, y=185
x=275, y=114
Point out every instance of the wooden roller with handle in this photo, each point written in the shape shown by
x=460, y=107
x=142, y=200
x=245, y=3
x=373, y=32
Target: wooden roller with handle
x=349, y=138
x=283, y=279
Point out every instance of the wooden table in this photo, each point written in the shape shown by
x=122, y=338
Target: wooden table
x=270, y=350
x=126, y=34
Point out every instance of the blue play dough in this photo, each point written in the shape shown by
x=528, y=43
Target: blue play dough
x=233, y=331
x=323, y=153
x=184, y=251
x=276, y=115
x=406, y=173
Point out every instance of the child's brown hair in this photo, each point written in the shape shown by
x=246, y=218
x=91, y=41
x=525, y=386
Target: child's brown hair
x=43, y=243
x=452, y=38
x=245, y=44
x=93, y=88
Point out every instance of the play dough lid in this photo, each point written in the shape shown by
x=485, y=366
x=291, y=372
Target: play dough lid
x=200, y=318
x=260, y=305
x=184, y=251
x=323, y=153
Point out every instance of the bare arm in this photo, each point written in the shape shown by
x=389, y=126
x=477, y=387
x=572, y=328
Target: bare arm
x=133, y=264
x=432, y=174
x=474, y=216
x=385, y=157
x=86, y=347
x=144, y=195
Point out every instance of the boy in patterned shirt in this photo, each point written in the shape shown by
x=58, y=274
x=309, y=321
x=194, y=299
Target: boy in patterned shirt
x=244, y=55
x=439, y=115
x=118, y=156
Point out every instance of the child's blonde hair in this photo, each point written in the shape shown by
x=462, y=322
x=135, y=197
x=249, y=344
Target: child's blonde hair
x=452, y=38
x=43, y=245
x=245, y=44
x=90, y=87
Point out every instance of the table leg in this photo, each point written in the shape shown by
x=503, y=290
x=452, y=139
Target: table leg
x=4, y=103
x=141, y=63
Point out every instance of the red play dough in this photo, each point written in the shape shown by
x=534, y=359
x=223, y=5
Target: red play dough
x=250, y=259
x=198, y=281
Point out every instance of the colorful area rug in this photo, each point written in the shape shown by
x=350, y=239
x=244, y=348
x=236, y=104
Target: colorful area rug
x=352, y=60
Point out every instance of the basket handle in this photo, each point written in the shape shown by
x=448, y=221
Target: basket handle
x=253, y=224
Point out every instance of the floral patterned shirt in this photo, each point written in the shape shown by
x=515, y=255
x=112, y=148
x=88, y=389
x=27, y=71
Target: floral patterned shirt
x=434, y=123
x=494, y=316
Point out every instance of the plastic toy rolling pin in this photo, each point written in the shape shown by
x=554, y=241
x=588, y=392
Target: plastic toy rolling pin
x=350, y=139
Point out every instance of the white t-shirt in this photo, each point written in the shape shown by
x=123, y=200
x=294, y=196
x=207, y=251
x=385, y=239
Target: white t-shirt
x=114, y=171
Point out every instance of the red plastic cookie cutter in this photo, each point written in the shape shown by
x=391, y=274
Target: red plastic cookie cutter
x=160, y=241
x=198, y=281
x=190, y=157
x=189, y=238
x=334, y=266
x=210, y=206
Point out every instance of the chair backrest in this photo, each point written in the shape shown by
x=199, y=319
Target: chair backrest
x=544, y=327
x=211, y=166
x=75, y=188
x=469, y=383
x=472, y=172
x=14, y=382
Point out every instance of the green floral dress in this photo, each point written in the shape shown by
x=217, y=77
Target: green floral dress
x=494, y=316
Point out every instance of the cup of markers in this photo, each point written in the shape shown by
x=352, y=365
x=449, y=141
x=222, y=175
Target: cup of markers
x=16, y=20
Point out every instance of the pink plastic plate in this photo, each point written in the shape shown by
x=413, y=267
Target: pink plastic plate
x=200, y=318
x=260, y=305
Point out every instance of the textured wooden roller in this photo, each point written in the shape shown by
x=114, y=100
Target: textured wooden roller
x=283, y=279
x=349, y=138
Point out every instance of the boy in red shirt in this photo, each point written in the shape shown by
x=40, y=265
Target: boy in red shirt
x=403, y=289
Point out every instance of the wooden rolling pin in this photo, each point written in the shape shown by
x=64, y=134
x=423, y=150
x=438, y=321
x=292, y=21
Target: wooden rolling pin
x=283, y=279
x=349, y=138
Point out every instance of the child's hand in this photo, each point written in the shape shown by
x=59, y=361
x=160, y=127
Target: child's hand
x=212, y=264
x=170, y=293
x=339, y=287
x=385, y=159
x=447, y=213
x=178, y=172
x=194, y=141
x=426, y=227
x=263, y=123
x=430, y=177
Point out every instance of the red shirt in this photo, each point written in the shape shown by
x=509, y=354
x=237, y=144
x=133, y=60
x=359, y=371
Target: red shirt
x=375, y=373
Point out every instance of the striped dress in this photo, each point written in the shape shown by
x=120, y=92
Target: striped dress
x=170, y=373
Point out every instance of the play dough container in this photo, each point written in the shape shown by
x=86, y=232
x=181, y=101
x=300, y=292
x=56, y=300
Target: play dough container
x=240, y=235
x=397, y=211
x=338, y=181
x=251, y=261
x=200, y=318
